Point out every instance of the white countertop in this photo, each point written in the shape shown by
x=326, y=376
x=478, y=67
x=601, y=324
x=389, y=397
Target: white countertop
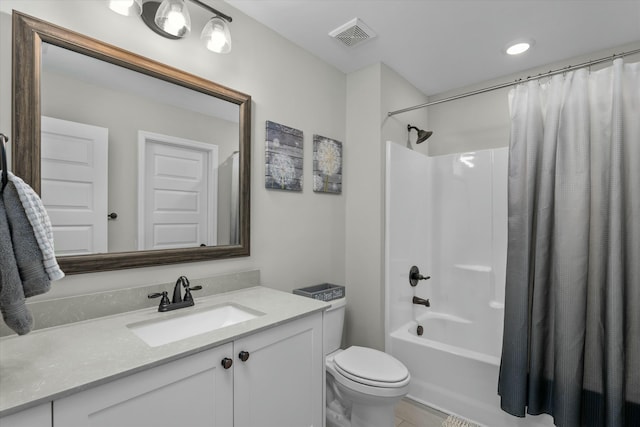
x=51, y=363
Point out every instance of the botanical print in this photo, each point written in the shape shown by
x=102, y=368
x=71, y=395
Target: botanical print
x=327, y=165
x=283, y=156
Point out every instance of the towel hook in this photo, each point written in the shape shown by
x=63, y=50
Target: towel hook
x=5, y=174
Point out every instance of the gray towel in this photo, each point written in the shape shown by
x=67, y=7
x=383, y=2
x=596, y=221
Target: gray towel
x=41, y=225
x=12, y=304
x=35, y=280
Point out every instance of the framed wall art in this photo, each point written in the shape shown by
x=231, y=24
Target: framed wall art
x=327, y=165
x=283, y=157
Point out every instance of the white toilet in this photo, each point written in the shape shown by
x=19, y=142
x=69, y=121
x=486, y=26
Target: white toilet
x=363, y=384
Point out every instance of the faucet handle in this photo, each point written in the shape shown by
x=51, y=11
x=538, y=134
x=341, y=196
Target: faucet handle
x=165, y=298
x=187, y=292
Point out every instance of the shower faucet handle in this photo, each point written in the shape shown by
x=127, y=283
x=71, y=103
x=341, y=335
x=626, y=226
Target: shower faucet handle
x=415, y=276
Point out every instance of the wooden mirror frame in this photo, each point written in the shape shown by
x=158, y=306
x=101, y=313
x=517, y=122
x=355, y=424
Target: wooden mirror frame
x=28, y=35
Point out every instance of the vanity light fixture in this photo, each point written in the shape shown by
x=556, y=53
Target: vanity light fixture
x=171, y=19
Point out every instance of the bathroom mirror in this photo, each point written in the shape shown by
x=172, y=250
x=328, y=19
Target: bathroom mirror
x=142, y=113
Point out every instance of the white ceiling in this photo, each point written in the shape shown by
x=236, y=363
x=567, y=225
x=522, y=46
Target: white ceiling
x=439, y=45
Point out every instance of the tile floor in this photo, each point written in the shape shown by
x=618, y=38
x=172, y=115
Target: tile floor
x=414, y=414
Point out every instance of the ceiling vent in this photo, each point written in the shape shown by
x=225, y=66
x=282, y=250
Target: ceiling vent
x=353, y=33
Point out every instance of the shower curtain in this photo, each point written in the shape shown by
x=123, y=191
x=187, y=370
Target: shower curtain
x=571, y=344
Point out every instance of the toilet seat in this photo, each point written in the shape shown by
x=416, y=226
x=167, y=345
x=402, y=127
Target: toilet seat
x=371, y=367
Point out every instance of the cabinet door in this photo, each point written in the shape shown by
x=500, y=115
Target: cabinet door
x=40, y=416
x=281, y=383
x=194, y=391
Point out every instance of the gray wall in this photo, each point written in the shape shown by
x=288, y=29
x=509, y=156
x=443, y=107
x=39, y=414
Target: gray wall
x=371, y=93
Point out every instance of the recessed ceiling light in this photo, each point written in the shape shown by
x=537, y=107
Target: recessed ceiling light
x=518, y=47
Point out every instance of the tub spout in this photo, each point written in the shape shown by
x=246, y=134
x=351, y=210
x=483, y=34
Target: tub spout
x=420, y=301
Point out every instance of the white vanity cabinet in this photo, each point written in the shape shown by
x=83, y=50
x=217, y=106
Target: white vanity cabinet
x=192, y=391
x=275, y=379
x=39, y=416
x=281, y=382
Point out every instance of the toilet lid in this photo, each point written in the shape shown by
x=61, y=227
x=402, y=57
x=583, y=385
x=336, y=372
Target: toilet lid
x=370, y=366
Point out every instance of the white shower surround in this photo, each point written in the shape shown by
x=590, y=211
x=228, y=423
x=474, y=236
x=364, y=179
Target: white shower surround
x=448, y=215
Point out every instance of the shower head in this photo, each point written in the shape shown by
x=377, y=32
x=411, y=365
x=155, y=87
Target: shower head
x=423, y=135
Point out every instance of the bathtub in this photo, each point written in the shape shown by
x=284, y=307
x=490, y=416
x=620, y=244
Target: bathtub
x=452, y=378
x=455, y=335
x=447, y=215
x=448, y=377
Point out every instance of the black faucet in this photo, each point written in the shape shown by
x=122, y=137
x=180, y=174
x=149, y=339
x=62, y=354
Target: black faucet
x=177, y=292
x=420, y=301
x=178, y=301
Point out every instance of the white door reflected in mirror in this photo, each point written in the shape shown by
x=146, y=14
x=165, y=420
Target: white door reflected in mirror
x=177, y=188
x=74, y=185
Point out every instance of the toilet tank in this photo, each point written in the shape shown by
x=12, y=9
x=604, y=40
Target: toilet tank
x=333, y=325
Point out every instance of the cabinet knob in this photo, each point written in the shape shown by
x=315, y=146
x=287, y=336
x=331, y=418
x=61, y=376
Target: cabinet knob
x=227, y=363
x=244, y=356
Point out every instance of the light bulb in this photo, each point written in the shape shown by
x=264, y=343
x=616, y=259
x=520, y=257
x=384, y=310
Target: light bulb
x=173, y=18
x=518, y=48
x=175, y=23
x=216, y=35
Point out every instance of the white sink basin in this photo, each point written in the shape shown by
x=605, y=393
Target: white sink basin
x=192, y=323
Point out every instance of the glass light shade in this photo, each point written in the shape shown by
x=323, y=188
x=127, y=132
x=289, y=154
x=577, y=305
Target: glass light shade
x=216, y=35
x=126, y=7
x=173, y=17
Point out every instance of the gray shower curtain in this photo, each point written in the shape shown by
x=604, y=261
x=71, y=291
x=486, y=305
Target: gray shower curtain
x=571, y=344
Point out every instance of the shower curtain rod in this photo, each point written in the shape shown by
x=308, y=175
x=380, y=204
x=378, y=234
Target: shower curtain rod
x=517, y=82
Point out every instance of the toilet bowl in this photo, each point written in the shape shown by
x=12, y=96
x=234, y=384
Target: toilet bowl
x=363, y=384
